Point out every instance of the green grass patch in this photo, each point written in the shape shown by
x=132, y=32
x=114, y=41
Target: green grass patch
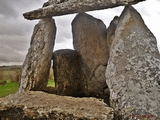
x=9, y=88
x=51, y=83
x=12, y=87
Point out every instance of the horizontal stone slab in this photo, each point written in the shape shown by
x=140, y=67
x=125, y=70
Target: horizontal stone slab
x=75, y=6
x=40, y=105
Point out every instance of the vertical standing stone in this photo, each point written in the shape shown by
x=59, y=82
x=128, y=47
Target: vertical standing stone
x=35, y=70
x=133, y=71
x=111, y=32
x=89, y=40
x=67, y=73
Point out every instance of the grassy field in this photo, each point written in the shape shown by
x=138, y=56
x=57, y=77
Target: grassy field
x=12, y=87
x=9, y=78
x=8, y=88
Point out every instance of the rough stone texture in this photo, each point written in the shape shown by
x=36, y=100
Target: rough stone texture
x=67, y=73
x=89, y=40
x=42, y=106
x=35, y=70
x=49, y=2
x=111, y=31
x=62, y=7
x=133, y=71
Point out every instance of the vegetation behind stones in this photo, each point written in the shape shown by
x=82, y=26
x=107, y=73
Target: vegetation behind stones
x=9, y=79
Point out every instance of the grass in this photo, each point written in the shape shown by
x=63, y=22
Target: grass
x=9, y=88
x=51, y=83
x=7, y=72
x=11, y=76
x=12, y=87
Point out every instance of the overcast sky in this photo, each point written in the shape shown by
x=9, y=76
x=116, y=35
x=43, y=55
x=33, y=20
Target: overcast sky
x=16, y=32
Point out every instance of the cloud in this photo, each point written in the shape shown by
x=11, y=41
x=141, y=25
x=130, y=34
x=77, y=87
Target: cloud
x=7, y=10
x=13, y=8
x=12, y=21
x=64, y=45
x=64, y=38
x=64, y=32
x=15, y=32
x=149, y=11
x=106, y=15
x=13, y=49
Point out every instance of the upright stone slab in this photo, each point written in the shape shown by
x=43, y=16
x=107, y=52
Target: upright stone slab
x=35, y=70
x=68, y=77
x=111, y=32
x=89, y=40
x=133, y=71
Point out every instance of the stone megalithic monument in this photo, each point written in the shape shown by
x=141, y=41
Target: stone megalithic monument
x=69, y=80
x=89, y=40
x=35, y=70
x=133, y=71
x=121, y=63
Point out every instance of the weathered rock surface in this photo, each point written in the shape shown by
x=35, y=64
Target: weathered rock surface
x=35, y=70
x=62, y=7
x=133, y=71
x=111, y=32
x=50, y=2
x=67, y=73
x=42, y=106
x=89, y=40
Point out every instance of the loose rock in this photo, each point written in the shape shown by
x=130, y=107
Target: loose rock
x=32, y=105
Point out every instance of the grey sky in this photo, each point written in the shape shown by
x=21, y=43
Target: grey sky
x=15, y=31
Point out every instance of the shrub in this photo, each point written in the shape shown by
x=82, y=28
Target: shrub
x=15, y=76
x=3, y=82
